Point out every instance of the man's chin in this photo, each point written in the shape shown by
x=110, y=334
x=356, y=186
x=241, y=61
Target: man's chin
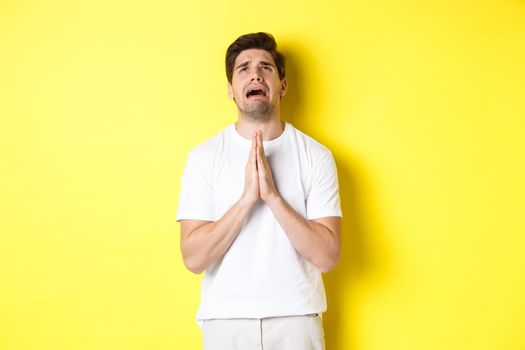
x=261, y=110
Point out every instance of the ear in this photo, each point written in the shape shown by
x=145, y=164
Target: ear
x=284, y=87
x=230, y=91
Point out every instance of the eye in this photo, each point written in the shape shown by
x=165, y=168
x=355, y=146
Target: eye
x=242, y=69
x=268, y=68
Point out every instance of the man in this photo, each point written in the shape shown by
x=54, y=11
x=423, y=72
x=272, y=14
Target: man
x=260, y=213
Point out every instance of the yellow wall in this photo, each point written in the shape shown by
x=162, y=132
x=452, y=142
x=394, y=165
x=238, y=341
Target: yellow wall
x=422, y=103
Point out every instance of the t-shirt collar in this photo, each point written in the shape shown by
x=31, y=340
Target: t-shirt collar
x=268, y=145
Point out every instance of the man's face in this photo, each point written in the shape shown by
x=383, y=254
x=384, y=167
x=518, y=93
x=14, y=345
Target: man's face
x=256, y=87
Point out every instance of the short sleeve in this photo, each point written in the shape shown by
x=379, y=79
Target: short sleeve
x=323, y=197
x=196, y=193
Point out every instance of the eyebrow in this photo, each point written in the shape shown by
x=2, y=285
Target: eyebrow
x=264, y=63
x=242, y=65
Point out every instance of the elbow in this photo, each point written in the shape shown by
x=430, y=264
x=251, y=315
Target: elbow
x=326, y=267
x=193, y=265
x=192, y=260
x=328, y=263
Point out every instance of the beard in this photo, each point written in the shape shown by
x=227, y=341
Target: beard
x=260, y=110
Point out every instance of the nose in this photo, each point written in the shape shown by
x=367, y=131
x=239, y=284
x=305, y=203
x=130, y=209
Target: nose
x=256, y=76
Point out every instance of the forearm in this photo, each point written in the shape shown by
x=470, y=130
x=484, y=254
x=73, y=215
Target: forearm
x=314, y=241
x=210, y=241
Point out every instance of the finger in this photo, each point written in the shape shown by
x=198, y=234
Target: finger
x=257, y=149
x=260, y=153
x=261, y=169
x=260, y=141
x=253, y=150
x=260, y=161
x=260, y=146
x=264, y=159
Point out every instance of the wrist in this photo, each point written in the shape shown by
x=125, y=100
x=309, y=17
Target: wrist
x=274, y=200
x=247, y=201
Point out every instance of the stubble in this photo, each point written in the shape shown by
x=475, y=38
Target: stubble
x=260, y=110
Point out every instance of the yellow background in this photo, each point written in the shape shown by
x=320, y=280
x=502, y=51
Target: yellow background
x=421, y=102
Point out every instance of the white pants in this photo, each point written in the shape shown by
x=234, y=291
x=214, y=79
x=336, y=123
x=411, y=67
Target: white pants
x=273, y=333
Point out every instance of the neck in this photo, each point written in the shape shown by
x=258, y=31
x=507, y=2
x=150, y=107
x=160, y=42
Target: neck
x=271, y=128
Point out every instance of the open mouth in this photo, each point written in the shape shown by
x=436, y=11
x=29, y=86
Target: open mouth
x=255, y=92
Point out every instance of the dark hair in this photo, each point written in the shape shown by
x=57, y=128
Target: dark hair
x=260, y=40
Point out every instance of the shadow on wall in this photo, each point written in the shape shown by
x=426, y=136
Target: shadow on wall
x=355, y=262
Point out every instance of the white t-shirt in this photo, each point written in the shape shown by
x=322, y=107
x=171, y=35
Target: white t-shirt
x=261, y=274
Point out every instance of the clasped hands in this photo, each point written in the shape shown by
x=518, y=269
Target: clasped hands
x=258, y=175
